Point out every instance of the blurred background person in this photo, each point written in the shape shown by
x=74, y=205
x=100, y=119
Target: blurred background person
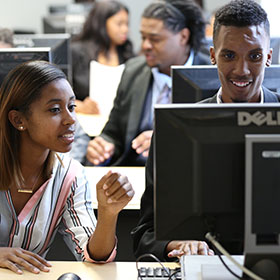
x=6, y=38
x=104, y=38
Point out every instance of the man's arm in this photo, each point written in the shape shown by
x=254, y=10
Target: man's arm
x=143, y=235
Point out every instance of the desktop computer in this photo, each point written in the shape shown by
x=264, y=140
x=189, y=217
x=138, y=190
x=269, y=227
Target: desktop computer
x=54, y=48
x=68, y=18
x=59, y=45
x=11, y=57
x=217, y=168
x=195, y=83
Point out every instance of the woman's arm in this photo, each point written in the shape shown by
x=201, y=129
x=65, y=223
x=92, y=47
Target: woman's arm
x=114, y=191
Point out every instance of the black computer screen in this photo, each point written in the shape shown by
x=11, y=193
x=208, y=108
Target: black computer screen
x=59, y=44
x=199, y=169
x=198, y=82
x=11, y=57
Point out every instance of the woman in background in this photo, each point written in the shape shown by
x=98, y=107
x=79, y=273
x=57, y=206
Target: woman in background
x=104, y=38
x=43, y=190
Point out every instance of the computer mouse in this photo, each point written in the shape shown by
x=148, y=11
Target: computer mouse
x=69, y=276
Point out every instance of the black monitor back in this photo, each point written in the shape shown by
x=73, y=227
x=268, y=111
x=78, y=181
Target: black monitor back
x=195, y=83
x=11, y=57
x=199, y=168
x=59, y=44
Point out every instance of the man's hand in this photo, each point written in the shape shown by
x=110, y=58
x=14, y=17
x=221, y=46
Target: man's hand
x=114, y=191
x=17, y=258
x=188, y=247
x=99, y=150
x=142, y=143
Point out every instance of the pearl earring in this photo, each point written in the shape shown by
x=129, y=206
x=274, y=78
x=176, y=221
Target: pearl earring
x=21, y=127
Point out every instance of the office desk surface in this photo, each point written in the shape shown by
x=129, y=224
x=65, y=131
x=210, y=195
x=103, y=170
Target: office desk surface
x=136, y=176
x=86, y=271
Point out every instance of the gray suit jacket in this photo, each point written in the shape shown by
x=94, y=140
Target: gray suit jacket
x=124, y=121
x=125, y=117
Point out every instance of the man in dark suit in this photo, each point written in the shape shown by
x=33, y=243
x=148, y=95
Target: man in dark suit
x=241, y=51
x=172, y=33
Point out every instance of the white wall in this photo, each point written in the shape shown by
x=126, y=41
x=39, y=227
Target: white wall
x=26, y=14
x=136, y=7
x=211, y=6
x=272, y=8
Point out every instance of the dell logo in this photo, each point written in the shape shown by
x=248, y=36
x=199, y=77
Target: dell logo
x=258, y=118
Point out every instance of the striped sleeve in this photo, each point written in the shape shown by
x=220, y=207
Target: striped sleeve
x=78, y=222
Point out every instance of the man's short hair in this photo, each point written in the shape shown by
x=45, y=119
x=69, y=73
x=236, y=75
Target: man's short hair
x=6, y=36
x=240, y=13
x=179, y=14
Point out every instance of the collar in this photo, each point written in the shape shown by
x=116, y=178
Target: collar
x=161, y=80
x=220, y=101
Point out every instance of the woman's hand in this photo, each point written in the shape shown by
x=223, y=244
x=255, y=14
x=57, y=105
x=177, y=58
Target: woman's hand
x=114, y=191
x=188, y=247
x=17, y=258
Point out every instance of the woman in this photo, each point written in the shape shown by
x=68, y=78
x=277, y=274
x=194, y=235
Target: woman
x=42, y=190
x=103, y=39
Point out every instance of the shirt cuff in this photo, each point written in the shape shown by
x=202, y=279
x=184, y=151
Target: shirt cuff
x=110, y=258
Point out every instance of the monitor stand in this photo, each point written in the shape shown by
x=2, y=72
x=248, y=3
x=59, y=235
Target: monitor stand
x=218, y=272
x=262, y=205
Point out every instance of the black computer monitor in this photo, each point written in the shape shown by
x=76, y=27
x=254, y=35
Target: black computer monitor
x=199, y=173
x=54, y=48
x=11, y=57
x=68, y=18
x=59, y=44
x=195, y=83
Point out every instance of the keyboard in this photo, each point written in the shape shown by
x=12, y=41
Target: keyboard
x=158, y=273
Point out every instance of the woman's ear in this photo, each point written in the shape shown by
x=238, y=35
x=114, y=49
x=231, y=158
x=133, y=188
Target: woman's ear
x=16, y=119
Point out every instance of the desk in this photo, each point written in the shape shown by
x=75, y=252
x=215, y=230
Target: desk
x=87, y=271
x=92, y=124
x=136, y=175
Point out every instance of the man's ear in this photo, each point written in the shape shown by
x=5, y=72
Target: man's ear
x=185, y=36
x=16, y=119
x=269, y=58
x=212, y=55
